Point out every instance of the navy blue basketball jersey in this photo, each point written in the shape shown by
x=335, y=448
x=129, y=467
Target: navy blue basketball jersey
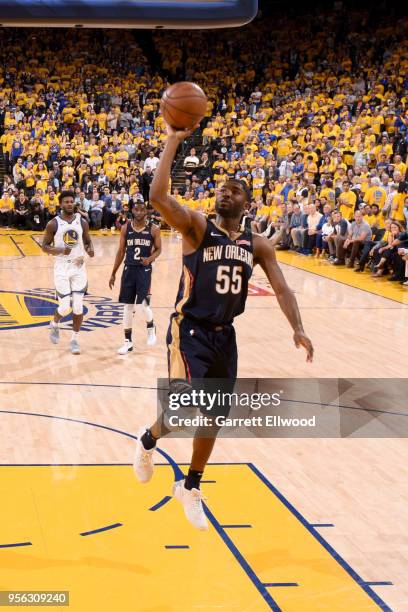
x=214, y=281
x=138, y=245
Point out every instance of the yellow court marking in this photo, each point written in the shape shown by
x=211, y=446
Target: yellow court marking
x=8, y=248
x=20, y=244
x=364, y=281
x=129, y=568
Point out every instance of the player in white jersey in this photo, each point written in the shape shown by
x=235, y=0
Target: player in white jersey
x=67, y=238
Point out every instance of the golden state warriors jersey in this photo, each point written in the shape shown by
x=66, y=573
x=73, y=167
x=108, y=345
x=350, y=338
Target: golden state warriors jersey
x=69, y=234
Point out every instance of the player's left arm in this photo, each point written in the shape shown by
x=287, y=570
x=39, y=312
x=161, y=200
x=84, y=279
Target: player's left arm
x=264, y=255
x=86, y=237
x=157, y=247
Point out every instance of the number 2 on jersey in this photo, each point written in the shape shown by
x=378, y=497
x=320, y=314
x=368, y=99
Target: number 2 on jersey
x=137, y=253
x=228, y=279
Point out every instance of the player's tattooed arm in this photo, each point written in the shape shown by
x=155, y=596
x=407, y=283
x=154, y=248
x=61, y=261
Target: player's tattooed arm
x=48, y=240
x=157, y=247
x=120, y=255
x=264, y=255
x=189, y=223
x=86, y=237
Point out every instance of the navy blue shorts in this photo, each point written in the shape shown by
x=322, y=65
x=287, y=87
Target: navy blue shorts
x=135, y=284
x=199, y=350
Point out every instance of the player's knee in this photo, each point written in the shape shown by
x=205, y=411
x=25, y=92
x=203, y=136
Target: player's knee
x=78, y=303
x=64, y=306
x=146, y=310
x=127, y=316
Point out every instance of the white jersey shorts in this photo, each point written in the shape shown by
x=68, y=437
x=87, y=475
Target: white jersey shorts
x=70, y=278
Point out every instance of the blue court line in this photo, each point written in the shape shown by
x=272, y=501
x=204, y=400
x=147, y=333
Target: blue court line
x=161, y=503
x=242, y=561
x=321, y=524
x=364, y=585
x=384, y=583
x=236, y=526
x=280, y=584
x=16, y=544
x=171, y=546
x=107, y=528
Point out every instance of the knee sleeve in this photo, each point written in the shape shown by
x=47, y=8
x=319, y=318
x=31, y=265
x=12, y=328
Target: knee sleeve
x=127, y=316
x=146, y=311
x=64, y=305
x=77, y=303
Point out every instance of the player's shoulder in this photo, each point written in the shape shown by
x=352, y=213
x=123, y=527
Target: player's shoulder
x=84, y=222
x=52, y=225
x=262, y=246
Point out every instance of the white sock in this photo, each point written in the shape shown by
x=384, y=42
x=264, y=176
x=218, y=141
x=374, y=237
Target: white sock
x=54, y=323
x=75, y=335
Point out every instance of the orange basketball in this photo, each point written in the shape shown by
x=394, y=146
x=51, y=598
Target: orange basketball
x=183, y=105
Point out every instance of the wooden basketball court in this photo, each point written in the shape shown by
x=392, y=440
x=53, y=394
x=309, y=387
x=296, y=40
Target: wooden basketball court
x=296, y=524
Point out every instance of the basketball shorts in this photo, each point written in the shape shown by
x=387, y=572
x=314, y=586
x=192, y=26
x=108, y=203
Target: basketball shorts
x=135, y=284
x=198, y=351
x=69, y=278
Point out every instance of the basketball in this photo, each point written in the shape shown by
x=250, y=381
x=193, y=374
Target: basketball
x=183, y=105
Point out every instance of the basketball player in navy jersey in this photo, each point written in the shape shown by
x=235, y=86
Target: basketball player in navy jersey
x=217, y=264
x=67, y=238
x=139, y=245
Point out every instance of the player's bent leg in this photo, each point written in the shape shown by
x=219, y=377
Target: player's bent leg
x=144, y=463
x=192, y=502
x=148, y=315
x=62, y=311
x=77, y=310
x=127, y=347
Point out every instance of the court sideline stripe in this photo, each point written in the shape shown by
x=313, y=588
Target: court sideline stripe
x=362, y=583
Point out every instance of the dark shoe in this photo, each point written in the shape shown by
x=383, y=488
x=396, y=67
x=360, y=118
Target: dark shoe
x=358, y=270
x=395, y=278
x=339, y=262
x=350, y=264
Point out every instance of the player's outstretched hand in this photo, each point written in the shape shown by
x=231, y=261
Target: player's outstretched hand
x=300, y=339
x=181, y=135
x=112, y=281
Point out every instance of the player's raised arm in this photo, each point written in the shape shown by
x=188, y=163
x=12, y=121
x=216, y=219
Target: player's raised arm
x=264, y=254
x=189, y=223
x=120, y=254
x=48, y=239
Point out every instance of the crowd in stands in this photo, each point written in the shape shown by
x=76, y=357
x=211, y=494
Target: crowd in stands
x=310, y=111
